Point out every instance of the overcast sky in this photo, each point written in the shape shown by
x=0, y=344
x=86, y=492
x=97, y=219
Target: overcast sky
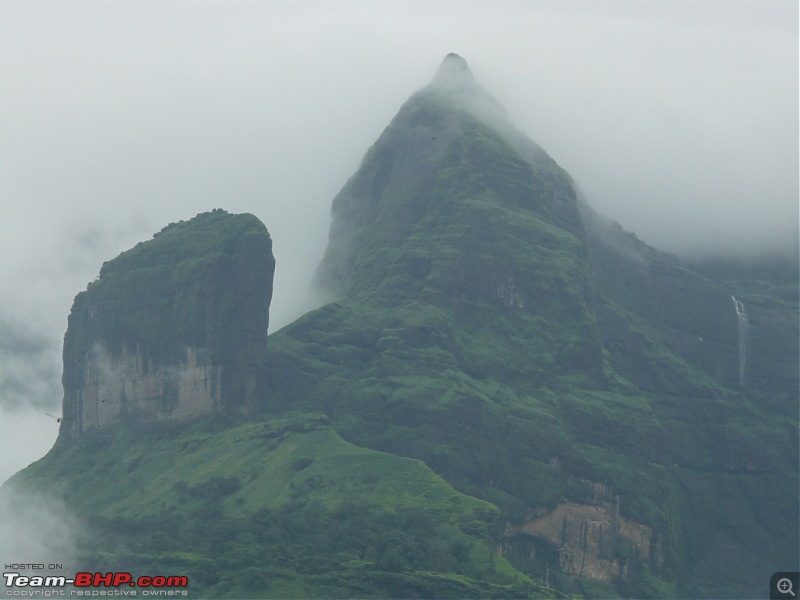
x=677, y=119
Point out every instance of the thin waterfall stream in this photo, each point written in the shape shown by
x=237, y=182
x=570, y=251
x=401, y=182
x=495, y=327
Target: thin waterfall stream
x=743, y=331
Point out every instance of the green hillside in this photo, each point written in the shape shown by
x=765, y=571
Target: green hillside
x=275, y=507
x=506, y=396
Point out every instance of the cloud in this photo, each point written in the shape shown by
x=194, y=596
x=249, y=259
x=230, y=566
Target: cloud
x=27, y=435
x=678, y=120
x=30, y=368
x=36, y=531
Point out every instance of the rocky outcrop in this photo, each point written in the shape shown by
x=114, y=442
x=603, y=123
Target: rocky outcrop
x=172, y=329
x=592, y=539
x=130, y=388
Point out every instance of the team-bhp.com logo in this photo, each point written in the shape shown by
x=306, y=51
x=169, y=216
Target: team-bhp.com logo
x=89, y=581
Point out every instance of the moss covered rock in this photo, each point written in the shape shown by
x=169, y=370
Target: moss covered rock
x=173, y=328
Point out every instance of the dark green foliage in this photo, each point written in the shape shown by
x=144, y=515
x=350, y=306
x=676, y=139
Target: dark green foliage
x=344, y=553
x=297, y=506
x=187, y=286
x=216, y=488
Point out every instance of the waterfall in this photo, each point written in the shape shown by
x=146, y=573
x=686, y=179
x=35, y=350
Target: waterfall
x=743, y=329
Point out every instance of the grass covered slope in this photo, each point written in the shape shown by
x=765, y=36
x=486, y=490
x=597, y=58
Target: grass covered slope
x=693, y=469
x=275, y=508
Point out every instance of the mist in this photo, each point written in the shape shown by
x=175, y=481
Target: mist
x=36, y=531
x=678, y=120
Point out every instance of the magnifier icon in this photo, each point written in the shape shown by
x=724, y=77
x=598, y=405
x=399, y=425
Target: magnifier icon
x=784, y=586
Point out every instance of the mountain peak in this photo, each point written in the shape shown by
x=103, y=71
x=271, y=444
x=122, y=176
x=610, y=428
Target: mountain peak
x=454, y=73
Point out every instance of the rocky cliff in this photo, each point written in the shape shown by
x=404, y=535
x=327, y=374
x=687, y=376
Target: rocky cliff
x=172, y=329
x=589, y=539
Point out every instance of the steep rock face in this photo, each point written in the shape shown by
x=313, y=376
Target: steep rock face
x=592, y=539
x=129, y=387
x=173, y=328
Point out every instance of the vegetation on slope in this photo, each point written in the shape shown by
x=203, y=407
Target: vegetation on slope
x=206, y=282
x=275, y=508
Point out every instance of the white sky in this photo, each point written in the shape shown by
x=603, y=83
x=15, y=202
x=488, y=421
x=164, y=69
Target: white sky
x=677, y=119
